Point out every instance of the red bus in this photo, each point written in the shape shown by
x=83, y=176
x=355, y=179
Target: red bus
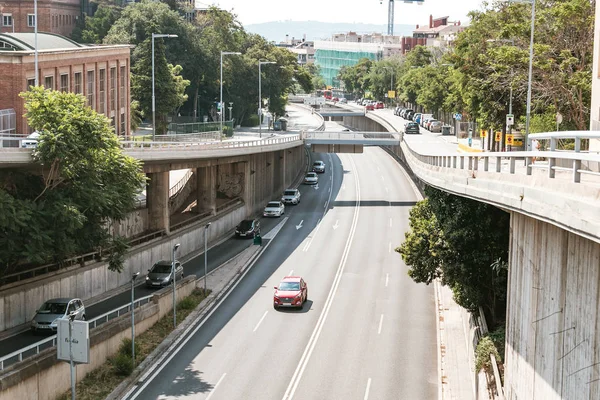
x=328, y=94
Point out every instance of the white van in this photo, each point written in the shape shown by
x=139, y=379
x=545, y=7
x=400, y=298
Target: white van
x=31, y=141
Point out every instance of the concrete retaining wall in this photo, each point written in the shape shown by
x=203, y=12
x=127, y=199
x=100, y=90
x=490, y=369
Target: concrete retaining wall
x=43, y=377
x=553, y=327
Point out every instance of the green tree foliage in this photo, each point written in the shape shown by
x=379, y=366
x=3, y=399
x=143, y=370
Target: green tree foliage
x=357, y=78
x=84, y=182
x=94, y=29
x=463, y=242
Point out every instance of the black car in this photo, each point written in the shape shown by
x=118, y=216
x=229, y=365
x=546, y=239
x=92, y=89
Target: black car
x=411, y=127
x=248, y=228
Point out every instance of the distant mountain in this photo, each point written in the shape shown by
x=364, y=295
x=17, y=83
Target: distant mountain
x=315, y=30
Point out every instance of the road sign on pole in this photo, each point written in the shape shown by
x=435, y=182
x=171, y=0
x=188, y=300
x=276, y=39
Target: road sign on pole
x=510, y=119
x=498, y=137
x=80, y=341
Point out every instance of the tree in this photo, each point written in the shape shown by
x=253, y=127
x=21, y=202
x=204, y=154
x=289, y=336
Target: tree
x=95, y=28
x=86, y=182
x=463, y=242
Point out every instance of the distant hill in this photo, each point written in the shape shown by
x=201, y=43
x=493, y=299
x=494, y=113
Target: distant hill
x=315, y=30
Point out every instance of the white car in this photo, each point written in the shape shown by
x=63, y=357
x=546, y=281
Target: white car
x=311, y=178
x=274, y=209
x=31, y=141
x=291, y=196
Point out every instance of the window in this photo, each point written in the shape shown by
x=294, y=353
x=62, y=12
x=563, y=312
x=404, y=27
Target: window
x=30, y=82
x=31, y=20
x=7, y=20
x=77, y=85
x=122, y=132
x=64, y=83
x=113, y=88
x=102, y=93
x=90, y=88
x=49, y=82
x=122, y=86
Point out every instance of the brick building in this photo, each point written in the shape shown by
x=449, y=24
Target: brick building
x=99, y=72
x=55, y=16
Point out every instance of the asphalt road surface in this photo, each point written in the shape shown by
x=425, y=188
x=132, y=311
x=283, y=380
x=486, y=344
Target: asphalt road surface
x=367, y=331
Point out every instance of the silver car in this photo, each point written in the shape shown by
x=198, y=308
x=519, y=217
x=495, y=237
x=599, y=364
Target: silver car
x=311, y=178
x=291, y=196
x=318, y=167
x=274, y=209
x=160, y=273
x=45, y=319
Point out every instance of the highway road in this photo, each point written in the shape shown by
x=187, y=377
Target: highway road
x=367, y=331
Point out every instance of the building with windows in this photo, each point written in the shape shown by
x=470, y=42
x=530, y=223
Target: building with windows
x=99, y=72
x=439, y=33
x=54, y=16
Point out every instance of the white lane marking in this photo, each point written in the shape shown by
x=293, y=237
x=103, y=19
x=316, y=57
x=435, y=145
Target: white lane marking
x=387, y=190
x=215, y=387
x=299, y=225
x=325, y=205
x=390, y=222
x=389, y=247
x=344, y=186
x=387, y=279
x=186, y=336
x=259, y=322
x=367, y=389
x=291, y=389
x=378, y=169
x=382, y=178
x=337, y=225
x=380, y=324
x=275, y=230
x=291, y=272
x=311, y=237
x=329, y=189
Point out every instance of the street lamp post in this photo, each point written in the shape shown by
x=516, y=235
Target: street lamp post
x=174, y=278
x=35, y=40
x=205, y=254
x=529, y=81
x=156, y=35
x=223, y=53
x=260, y=95
x=230, y=111
x=133, y=319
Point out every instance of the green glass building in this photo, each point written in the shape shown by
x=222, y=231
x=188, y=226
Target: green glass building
x=331, y=56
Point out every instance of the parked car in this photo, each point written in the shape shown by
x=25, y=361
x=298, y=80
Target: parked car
x=318, y=167
x=435, y=126
x=397, y=110
x=335, y=99
x=343, y=100
x=45, y=318
x=411, y=127
x=365, y=102
x=424, y=118
x=161, y=275
x=405, y=113
x=311, y=178
x=292, y=291
x=31, y=141
x=416, y=117
x=248, y=228
x=370, y=106
x=431, y=121
x=379, y=105
x=291, y=196
x=274, y=209
x=409, y=115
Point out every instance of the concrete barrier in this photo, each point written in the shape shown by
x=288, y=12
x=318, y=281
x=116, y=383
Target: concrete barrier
x=43, y=377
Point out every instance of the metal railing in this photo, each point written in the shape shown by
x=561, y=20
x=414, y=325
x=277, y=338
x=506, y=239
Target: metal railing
x=351, y=135
x=181, y=184
x=228, y=144
x=36, y=348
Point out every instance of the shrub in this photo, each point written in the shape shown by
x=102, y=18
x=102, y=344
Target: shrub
x=485, y=347
x=187, y=304
x=125, y=348
x=122, y=364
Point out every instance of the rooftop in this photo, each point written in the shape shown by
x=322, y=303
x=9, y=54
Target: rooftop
x=45, y=41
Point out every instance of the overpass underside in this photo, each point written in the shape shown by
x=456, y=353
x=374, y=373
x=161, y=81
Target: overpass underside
x=349, y=141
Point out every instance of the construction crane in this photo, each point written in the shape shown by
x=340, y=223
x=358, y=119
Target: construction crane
x=390, y=30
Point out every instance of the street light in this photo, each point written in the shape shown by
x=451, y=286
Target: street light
x=35, y=40
x=156, y=35
x=205, y=254
x=260, y=95
x=512, y=42
x=223, y=53
x=174, y=278
x=133, y=319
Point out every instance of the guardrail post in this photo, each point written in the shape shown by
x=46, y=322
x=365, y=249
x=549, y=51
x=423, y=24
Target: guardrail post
x=454, y=161
x=475, y=163
x=551, y=163
x=498, y=164
x=513, y=161
x=576, y=173
x=577, y=144
x=462, y=162
x=486, y=164
x=552, y=144
x=528, y=165
x=470, y=163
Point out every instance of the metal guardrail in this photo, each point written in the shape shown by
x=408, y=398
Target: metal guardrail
x=36, y=348
x=181, y=184
x=351, y=135
x=208, y=146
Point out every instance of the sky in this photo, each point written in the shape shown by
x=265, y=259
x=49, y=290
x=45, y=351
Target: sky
x=351, y=11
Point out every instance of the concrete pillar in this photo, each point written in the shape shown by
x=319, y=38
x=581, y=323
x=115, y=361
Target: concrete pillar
x=206, y=189
x=157, y=201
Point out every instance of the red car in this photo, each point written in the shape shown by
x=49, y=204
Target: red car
x=379, y=105
x=291, y=292
x=370, y=106
x=335, y=99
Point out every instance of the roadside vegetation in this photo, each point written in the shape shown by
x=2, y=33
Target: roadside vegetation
x=103, y=380
x=474, y=77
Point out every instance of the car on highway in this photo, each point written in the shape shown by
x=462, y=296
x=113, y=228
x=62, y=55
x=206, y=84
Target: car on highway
x=160, y=274
x=311, y=178
x=411, y=127
x=291, y=196
x=291, y=292
x=318, y=167
x=435, y=126
x=370, y=107
x=335, y=99
x=343, y=100
x=274, y=209
x=45, y=319
x=379, y=105
x=248, y=228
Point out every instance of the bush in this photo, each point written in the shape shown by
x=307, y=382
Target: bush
x=485, y=347
x=187, y=304
x=125, y=348
x=228, y=131
x=251, y=120
x=122, y=364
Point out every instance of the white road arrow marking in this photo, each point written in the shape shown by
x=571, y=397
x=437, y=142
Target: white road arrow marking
x=337, y=225
x=299, y=225
x=316, y=186
x=344, y=186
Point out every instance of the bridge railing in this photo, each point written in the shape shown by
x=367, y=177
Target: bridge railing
x=228, y=144
x=351, y=135
x=37, y=347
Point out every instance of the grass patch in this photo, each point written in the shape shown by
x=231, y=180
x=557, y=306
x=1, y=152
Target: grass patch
x=103, y=380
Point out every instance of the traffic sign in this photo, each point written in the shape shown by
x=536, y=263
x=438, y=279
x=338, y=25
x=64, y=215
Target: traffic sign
x=391, y=94
x=510, y=139
x=483, y=133
x=458, y=116
x=80, y=341
x=498, y=137
x=510, y=119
